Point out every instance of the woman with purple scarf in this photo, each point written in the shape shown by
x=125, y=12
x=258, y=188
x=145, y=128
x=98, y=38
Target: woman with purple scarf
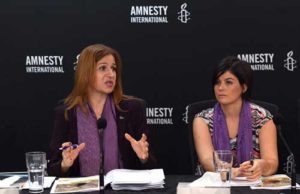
x=236, y=124
x=97, y=93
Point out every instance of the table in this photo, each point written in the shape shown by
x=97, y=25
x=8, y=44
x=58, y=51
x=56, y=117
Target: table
x=170, y=188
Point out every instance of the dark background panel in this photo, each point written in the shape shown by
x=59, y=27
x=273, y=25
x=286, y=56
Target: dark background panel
x=167, y=64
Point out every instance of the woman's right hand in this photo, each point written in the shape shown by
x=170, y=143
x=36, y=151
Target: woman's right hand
x=69, y=155
x=252, y=169
x=235, y=172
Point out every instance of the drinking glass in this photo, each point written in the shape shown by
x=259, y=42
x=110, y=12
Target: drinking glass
x=36, y=163
x=223, y=164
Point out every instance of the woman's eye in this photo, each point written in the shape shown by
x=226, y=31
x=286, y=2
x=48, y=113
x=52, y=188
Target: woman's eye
x=102, y=68
x=228, y=82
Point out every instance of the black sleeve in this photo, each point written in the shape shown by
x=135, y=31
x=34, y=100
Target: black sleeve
x=139, y=118
x=61, y=133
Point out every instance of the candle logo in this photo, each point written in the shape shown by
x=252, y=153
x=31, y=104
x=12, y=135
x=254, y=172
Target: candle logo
x=185, y=115
x=290, y=61
x=184, y=15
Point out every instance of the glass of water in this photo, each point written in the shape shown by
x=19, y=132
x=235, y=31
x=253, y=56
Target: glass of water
x=223, y=164
x=35, y=163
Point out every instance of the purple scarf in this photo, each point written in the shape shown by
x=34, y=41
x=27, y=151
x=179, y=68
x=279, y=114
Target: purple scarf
x=111, y=145
x=88, y=133
x=221, y=135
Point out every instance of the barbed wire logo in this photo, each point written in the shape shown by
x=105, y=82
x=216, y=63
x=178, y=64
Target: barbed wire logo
x=290, y=61
x=185, y=115
x=184, y=15
x=288, y=165
x=76, y=62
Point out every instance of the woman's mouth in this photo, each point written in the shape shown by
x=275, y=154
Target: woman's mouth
x=109, y=84
x=221, y=95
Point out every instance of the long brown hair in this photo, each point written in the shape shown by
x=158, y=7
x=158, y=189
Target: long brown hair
x=84, y=73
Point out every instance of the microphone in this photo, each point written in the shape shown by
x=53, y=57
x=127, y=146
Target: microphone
x=101, y=125
x=279, y=120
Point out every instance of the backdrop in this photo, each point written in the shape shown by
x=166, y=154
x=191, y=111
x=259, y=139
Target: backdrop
x=168, y=47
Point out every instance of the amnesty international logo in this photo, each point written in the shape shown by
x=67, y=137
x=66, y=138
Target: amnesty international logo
x=159, y=115
x=44, y=64
x=290, y=61
x=259, y=61
x=184, y=15
x=185, y=115
x=76, y=62
x=149, y=14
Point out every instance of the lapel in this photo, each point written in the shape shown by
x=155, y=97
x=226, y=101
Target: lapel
x=121, y=118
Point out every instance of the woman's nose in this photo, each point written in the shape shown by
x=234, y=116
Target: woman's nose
x=220, y=86
x=111, y=72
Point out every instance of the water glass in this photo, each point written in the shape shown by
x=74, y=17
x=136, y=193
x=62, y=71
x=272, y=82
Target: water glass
x=36, y=163
x=223, y=163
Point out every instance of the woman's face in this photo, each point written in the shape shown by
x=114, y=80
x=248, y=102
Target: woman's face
x=105, y=76
x=228, y=88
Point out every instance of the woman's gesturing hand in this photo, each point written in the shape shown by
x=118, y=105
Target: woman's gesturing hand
x=141, y=147
x=69, y=155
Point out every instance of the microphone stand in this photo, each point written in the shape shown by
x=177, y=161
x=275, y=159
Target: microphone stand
x=291, y=161
x=101, y=124
x=101, y=169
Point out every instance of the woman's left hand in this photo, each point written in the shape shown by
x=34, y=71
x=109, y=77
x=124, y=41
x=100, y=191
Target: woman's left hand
x=140, y=147
x=252, y=172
